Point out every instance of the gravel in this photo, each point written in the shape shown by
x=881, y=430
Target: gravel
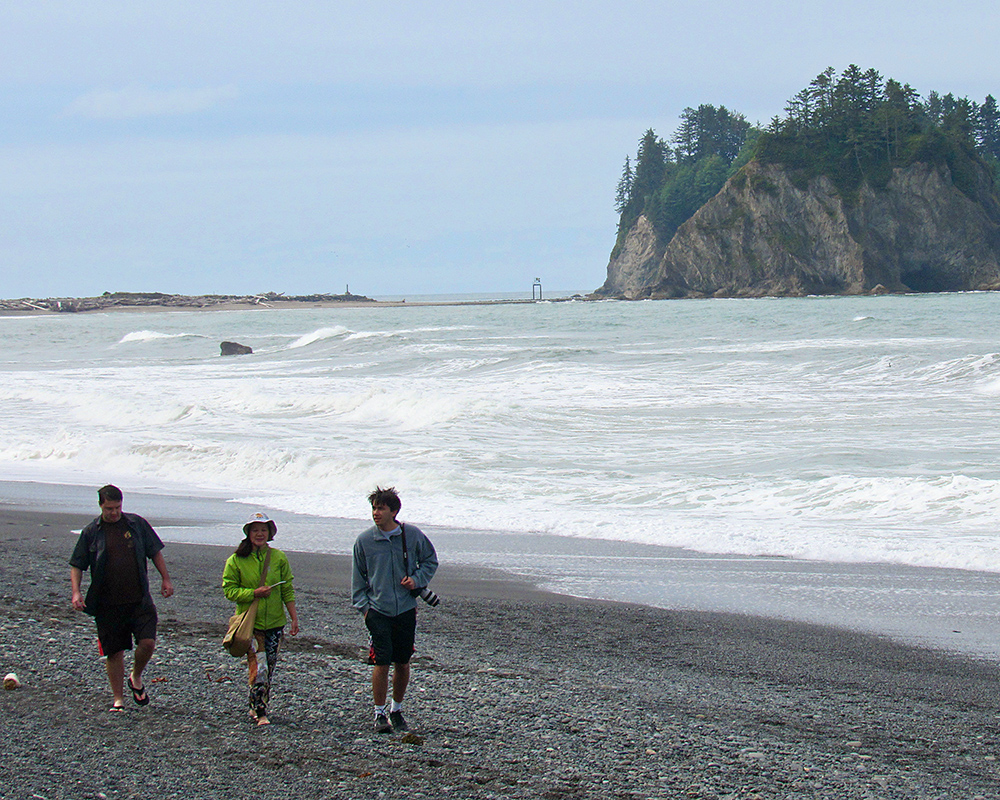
x=514, y=694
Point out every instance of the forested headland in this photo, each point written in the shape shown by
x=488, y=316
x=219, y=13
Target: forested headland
x=854, y=128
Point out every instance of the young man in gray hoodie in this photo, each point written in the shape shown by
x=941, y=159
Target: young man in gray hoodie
x=386, y=582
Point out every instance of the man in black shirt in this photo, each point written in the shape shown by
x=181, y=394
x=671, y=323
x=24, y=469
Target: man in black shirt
x=115, y=547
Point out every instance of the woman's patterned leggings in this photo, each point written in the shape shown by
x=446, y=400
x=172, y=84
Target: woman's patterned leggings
x=267, y=642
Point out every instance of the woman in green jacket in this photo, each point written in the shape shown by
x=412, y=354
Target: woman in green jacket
x=241, y=584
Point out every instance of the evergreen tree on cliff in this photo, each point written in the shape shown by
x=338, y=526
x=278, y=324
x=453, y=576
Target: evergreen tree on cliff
x=857, y=128
x=707, y=131
x=668, y=186
x=650, y=163
x=988, y=128
x=624, y=193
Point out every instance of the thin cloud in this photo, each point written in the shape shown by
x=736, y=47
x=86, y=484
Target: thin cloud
x=140, y=101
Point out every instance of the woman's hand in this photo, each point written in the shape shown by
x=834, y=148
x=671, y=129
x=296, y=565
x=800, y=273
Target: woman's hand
x=262, y=591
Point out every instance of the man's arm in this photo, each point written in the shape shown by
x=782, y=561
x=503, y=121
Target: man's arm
x=427, y=560
x=359, y=579
x=75, y=578
x=167, y=586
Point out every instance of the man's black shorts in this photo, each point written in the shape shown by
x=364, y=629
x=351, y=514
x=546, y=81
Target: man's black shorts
x=392, y=637
x=117, y=625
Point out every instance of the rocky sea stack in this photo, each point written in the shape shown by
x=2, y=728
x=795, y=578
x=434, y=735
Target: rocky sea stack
x=768, y=233
x=862, y=188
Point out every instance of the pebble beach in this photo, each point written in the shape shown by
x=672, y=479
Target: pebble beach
x=515, y=693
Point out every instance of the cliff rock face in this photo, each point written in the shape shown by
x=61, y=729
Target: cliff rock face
x=766, y=234
x=636, y=268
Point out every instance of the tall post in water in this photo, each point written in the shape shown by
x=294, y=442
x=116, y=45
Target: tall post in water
x=536, y=285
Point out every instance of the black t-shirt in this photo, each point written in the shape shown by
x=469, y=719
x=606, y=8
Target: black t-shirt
x=122, y=584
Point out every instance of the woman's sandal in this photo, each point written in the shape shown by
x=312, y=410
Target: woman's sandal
x=117, y=708
x=139, y=695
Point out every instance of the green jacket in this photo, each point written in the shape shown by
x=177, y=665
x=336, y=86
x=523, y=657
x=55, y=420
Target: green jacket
x=242, y=575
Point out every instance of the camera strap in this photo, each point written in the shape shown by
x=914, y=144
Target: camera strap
x=406, y=555
x=420, y=591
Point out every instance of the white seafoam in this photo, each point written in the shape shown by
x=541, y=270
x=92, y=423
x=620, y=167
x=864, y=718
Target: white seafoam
x=849, y=431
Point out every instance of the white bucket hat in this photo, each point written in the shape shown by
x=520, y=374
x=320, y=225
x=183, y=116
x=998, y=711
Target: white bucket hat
x=260, y=516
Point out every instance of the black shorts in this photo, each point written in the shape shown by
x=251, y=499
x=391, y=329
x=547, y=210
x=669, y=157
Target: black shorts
x=392, y=637
x=117, y=625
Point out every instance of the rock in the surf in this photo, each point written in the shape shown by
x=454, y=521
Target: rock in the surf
x=235, y=349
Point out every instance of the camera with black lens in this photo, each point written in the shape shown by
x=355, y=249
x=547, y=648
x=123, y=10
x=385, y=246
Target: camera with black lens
x=427, y=595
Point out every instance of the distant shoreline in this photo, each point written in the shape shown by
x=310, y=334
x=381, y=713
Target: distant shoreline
x=155, y=301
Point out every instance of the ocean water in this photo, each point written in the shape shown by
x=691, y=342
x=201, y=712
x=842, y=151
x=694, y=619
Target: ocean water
x=840, y=430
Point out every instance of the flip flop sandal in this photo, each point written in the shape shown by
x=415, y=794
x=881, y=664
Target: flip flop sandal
x=116, y=709
x=139, y=695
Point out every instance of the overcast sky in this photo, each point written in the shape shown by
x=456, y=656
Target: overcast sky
x=400, y=148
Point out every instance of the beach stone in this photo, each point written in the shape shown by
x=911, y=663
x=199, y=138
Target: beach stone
x=235, y=349
x=745, y=707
